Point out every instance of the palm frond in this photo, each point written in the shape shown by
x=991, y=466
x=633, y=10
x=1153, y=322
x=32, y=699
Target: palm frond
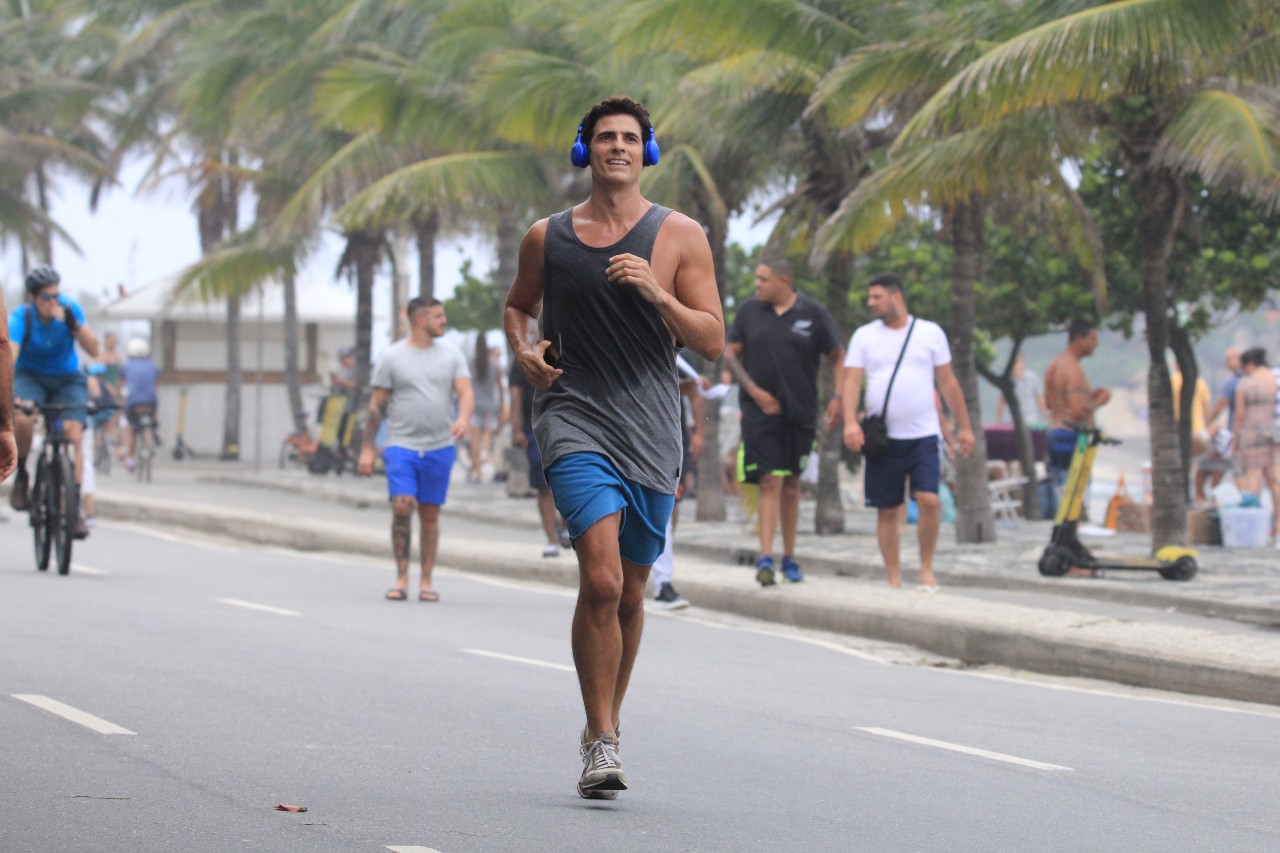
x=1231, y=139
x=1133, y=46
x=237, y=266
x=444, y=181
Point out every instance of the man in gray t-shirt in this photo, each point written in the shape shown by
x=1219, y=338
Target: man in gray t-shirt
x=414, y=386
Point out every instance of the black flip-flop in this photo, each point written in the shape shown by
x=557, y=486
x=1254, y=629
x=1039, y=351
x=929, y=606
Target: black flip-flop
x=428, y=595
x=396, y=595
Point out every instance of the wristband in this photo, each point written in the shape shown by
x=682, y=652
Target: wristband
x=72, y=323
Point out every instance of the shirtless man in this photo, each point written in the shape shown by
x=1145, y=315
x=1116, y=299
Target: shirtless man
x=1070, y=399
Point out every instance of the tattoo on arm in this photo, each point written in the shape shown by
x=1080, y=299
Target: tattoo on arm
x=377, y=411
x=739, y=372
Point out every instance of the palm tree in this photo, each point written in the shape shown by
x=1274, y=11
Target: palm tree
x=1177, y=87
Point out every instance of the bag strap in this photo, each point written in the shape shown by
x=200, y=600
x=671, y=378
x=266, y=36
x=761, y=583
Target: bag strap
x=884, y=411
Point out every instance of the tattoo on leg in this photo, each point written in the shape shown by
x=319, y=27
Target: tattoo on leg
x=401, y=535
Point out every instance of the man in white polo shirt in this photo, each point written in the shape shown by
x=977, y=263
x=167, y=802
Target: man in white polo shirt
x=911, y=414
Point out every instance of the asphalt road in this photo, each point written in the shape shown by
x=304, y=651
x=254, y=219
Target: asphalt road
x=248, y=678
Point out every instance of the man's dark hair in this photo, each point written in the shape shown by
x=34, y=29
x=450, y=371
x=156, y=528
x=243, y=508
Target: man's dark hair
x=887, y=280
x=1079, y=329
x=1254, y=355
x=617, y=105
x=782, y=267
x=420, y=303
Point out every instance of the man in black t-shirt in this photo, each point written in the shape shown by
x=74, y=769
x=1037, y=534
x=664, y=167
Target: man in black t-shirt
x=775, y=347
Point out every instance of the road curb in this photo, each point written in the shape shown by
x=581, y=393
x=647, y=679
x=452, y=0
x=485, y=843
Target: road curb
x=1053, y=648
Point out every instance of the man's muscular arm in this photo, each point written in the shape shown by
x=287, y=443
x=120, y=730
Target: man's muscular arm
x=732, y=360
x=692, y=310
x=524, y=306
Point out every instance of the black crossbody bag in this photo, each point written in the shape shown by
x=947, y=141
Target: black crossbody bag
x=875, y=429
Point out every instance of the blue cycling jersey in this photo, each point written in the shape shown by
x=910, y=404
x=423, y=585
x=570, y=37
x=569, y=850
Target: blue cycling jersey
x=49, y=349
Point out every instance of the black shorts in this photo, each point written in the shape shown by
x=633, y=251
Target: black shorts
x=774, y=447
x=135, y=412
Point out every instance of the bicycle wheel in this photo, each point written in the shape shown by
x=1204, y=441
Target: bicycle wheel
x=39, y=510
x=146, y=449
x=63, y=497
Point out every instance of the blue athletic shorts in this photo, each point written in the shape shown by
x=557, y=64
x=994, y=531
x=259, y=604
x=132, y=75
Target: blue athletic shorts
x=885, y=477
x=66, y=389
x=421, y=474
x=587, y=488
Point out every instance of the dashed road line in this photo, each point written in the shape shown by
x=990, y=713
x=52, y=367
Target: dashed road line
x=264, y=608
x=88, y=570
x=75, y=715
x=514, y=659
x=403, y=849
x=967, y=750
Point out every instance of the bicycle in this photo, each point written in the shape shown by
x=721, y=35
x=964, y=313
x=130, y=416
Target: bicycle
x=144, y=445
x=53, y=491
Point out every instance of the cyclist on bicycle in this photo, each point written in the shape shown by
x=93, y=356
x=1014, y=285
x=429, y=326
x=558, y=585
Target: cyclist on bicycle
x=43, y=332
x=140, y=375
x=8, y=447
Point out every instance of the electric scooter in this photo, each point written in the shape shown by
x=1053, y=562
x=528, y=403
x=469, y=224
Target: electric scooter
x=1065, y=550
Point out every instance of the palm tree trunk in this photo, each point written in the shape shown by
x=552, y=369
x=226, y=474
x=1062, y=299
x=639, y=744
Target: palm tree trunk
x=292, y=380
x=1159, y=208
x=363, y=249
x=426, y=226
x=400, y=282
x=235, y=382
x=829, y=507
x=711, y=504
x=973, y=500
x=1185, y=355
x=1025, y=448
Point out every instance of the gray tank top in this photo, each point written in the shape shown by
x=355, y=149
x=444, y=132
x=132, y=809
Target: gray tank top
x=618, y=395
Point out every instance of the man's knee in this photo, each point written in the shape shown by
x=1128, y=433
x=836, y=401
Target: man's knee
x=402, y=506
x=927, y=500
x=791, y=484
x=770, y=484
x=602, y=586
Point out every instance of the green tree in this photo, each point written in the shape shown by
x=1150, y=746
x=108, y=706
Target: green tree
x=1175, y=87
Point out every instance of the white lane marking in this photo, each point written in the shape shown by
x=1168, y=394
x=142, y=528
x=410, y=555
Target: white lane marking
x=403, y=849
x=1206, y=703
x=514, y=659
x=829, y=645
x=523, y=586
x=967, y=750
x=75, y=715
x=174, y=537
x=87, y=570
x=249, y=605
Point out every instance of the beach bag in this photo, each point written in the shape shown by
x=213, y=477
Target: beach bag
x=1119, y=499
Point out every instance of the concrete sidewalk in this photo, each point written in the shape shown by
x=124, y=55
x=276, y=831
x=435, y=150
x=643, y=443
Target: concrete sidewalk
x=844, y=591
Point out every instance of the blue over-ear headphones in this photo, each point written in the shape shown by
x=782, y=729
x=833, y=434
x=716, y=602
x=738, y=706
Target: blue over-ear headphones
x=580, y=155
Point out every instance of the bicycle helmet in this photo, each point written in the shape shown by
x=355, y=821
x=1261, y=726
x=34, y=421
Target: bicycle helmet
x=138, y=348
x=40, y=278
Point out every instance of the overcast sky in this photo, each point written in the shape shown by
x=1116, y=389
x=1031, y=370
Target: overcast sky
x=136, y=238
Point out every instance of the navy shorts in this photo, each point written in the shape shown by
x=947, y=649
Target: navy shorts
x=420, y=474
x=587, y=488
x=885, y=477
x=69, y=389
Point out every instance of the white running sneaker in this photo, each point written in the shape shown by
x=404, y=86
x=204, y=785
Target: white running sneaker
x=602, y=774
x=551, y=551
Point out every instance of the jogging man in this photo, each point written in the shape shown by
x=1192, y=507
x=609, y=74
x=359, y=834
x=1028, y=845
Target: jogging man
x=43, y=333
x=8, y=446
x=619, y=283
x=414, y=386
x=911, y=415
x=778, y=339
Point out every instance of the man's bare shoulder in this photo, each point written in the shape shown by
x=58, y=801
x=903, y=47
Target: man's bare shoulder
x=683, y=228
